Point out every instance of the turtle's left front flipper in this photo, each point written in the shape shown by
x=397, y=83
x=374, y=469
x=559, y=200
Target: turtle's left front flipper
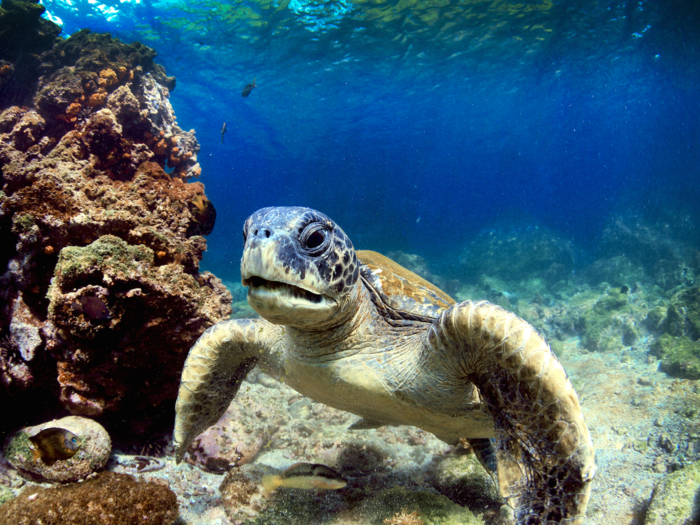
x=546, y=458
x=214, y=369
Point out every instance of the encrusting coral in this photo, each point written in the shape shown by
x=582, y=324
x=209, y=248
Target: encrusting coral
x=86, y=204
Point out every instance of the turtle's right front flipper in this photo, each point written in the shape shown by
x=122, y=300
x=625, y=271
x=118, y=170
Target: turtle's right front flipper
x=215, y=367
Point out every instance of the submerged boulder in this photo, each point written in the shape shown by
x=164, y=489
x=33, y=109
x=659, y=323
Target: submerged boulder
x=675, y=498
x=92, y=455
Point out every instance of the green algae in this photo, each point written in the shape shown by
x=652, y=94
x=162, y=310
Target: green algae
x=433, y=509
x=18, y=447
x=680, y=357
x=607, y=326
x=683, y=315
x=673, y=500
x=5, y=494
x=656, y=319
x=110, y=251
x=300, y=507
x=22, y=222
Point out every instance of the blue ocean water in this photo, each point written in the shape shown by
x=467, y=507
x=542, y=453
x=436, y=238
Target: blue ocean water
x=416, y=125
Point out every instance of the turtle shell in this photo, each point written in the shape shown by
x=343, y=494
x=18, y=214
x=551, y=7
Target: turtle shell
x=399, y=293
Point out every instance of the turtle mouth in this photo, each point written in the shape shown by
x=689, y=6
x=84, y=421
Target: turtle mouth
x=258, y=286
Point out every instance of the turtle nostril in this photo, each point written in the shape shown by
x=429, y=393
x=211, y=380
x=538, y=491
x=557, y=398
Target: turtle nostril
x=267, y=233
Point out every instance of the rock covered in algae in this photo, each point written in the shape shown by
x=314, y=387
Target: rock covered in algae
x=675, y=498
x=430, y=508
x=106, y=499
x=93, y=454
x=98, y=299
x=680, y=357
x=463, y=479
x=683, y=314
x=84, y=188
x=610, y=324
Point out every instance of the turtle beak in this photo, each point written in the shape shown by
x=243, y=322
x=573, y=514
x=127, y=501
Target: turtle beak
x=279, y=293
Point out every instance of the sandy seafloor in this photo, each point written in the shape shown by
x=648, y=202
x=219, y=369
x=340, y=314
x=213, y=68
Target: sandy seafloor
x=634, y=412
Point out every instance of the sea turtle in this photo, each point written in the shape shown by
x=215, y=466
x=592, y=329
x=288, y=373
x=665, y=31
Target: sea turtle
x=358, y=332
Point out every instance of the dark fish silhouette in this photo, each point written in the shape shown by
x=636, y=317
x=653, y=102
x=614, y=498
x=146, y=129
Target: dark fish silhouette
x=305, y=476
x=223, y=132
x=52, y=444
x=248, y=89
x=93, y=307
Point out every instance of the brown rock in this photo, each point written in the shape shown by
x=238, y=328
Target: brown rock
x=107, y=499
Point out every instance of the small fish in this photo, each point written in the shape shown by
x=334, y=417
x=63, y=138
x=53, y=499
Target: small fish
x=305, y=476
x=52, y=444
x=223, y=132
x=93, y=307
x=248, y=88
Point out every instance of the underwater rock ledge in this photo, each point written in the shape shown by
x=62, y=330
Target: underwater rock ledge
x=101, y=294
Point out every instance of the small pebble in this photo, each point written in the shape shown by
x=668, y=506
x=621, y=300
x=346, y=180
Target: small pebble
x=659, y=421
x=660, y=468
x=645, y=381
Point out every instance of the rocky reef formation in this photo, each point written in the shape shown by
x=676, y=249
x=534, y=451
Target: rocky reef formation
x=101, y=230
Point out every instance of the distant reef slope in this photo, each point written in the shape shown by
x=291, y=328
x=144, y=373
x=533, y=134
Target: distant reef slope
x=100, y=290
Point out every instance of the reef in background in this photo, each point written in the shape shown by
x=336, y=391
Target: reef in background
x=101, y=294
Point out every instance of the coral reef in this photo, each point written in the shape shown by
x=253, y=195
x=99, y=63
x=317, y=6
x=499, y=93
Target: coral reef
x=101, y=294
x=675, y=499
x=106, y=499
x=23, y=36
x=92, y=456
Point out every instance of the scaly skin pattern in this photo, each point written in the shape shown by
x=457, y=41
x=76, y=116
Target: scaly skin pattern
x=546, y=458
x=471, y=371
x=215, y=367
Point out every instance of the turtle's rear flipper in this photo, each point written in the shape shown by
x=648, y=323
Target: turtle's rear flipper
x=215, y=367
x=545, y=456
x=485, y=451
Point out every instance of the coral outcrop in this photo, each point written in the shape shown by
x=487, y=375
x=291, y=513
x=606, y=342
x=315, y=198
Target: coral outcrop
x=101, y=231
x=93, y=454
x=106, y=499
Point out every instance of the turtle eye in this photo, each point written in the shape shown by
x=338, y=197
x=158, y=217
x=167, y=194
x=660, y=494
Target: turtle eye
x=314, y=239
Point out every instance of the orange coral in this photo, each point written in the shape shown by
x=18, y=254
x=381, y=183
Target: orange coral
x=48, y=250
x=160, y=147
x=98, y=98
x=5, y=69
x=107, y=78
x=122, y=72
x=74, y=109
x=160, y=254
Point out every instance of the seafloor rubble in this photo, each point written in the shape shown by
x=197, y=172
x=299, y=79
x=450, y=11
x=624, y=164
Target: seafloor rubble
x=101, y=230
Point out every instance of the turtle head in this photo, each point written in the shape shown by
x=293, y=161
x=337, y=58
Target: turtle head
x=299, y=266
